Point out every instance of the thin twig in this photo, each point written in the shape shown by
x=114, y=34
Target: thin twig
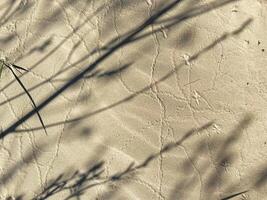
x=18, y=68
x=24, y=88
x=234, y=195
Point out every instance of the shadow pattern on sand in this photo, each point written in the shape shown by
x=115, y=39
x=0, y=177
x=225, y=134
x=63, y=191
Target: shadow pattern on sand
x=78, y=183
x=111, y=47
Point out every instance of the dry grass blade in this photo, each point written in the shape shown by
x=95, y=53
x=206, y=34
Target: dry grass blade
x=234, y=195
x=1, y=69
x=19, y=68
x=28, y=94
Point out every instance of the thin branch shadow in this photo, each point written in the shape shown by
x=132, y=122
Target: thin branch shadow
x=78, y=183
x=127, y=38
x=130, y=97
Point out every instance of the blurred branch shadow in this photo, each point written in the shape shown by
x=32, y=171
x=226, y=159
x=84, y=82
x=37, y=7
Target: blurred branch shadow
x=18, y=9
x=130, y=97
x=217, y=178
x=127, y=38
x=79, y=182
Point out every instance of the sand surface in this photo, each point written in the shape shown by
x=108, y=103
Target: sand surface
x=142, y=99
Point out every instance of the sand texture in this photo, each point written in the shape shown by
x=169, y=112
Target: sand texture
x=141, y=100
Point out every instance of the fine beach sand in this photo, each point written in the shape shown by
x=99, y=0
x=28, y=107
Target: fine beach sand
x=170, y=104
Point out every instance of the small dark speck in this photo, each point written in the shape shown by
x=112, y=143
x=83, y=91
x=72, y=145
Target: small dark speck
x=259, y=42
x=264, y=142
x=247, y=83
x=262, y=50
x=234, y=10
x=247, y=41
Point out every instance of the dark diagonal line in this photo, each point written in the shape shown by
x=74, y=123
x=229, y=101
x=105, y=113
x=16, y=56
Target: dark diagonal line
x=80, y=75
x=234, y=195
x=30, y=97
